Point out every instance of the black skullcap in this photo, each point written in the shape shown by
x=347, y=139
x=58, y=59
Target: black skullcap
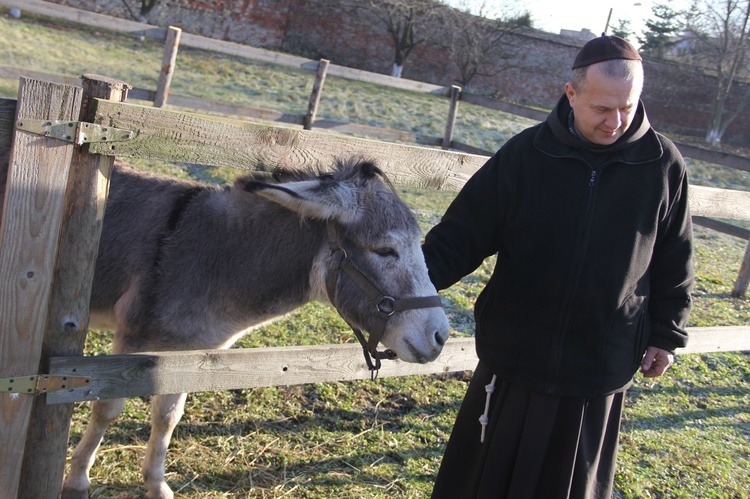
x=605, y=48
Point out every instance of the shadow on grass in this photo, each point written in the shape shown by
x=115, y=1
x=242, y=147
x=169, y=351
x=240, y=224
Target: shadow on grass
x=276, y=470
x=378, y=470
x=321, y=448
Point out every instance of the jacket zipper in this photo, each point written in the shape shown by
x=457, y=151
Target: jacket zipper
x=592, y=181
x=579, y=263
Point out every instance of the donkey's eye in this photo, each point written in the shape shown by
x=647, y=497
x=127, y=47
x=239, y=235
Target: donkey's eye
x=386, y=252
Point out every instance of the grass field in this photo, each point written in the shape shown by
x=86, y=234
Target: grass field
x=685, y=435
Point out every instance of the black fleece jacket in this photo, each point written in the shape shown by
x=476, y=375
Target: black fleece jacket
x=594, y=255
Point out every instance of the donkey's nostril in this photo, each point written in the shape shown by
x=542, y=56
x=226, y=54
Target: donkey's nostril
x=439, y=338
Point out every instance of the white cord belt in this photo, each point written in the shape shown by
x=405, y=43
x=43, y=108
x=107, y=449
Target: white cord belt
x=484, y=419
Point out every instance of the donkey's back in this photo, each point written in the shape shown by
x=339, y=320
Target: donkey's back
x=183, y=265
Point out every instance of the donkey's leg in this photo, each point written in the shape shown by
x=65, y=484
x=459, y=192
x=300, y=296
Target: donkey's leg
x=166, y=411
x=103, y=413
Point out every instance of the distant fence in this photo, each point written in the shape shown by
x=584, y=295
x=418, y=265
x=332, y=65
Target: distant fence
x=173, y=37
x=291, y=61
x=53, y=211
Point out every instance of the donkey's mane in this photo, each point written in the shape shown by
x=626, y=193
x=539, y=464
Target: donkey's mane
x=343, y=170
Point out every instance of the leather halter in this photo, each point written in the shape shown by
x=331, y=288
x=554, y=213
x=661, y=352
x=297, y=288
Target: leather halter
x=385, y=305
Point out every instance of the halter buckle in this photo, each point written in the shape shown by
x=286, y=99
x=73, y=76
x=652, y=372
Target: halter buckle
x=386, y=305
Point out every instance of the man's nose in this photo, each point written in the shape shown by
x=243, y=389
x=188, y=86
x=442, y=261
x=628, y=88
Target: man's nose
x=614, y=120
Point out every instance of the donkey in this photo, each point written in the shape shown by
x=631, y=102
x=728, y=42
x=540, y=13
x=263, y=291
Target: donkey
x=184, y=266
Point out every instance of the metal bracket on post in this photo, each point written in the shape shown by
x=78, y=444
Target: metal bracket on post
x=78, y=132
x=41, y=383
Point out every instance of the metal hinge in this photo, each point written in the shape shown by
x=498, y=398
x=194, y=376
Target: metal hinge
x=42, y=383
x=78, y=132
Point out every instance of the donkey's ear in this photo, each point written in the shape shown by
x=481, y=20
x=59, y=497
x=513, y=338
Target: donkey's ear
x=323, y=199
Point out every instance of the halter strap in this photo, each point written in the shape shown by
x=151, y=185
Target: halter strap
x=385, y=305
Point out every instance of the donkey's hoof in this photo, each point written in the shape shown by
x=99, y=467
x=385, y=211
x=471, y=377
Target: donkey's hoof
x=161, y=491
x=75, y=494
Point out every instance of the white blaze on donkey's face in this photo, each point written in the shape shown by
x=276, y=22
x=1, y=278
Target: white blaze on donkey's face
x=415, y=335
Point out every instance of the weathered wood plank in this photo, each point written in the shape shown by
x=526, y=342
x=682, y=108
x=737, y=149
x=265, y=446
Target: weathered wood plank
x=29, y=231
x=317, y=91
x=722, y=227
x=717, y=339
x=452, y=114
x=714, y=156
x=719, y=203
x=743, y=277
x=67, y=320
x=211, y=370
x=224, y=142
x=7, y=117
x=171, y=45
x=217, y=141
x=136, y=375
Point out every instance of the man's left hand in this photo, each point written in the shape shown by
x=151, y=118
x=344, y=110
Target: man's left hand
x=656, y=362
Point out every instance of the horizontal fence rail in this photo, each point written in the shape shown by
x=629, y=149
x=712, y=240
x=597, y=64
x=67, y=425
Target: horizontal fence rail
x=225, y=142
x=200, y=142
x=216, y=141
x=158, y=373
x=221, y=46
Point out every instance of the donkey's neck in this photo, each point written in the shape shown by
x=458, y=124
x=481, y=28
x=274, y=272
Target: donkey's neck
x=257, y=262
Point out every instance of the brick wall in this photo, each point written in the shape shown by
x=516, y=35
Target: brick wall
x=259, y=23
x=677, y=98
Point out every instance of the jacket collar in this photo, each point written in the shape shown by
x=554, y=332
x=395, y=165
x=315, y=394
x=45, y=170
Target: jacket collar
x=639, y=144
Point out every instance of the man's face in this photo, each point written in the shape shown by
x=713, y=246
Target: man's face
x=604, y=109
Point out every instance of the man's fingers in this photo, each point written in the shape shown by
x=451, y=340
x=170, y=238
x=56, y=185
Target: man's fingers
x=656, y=362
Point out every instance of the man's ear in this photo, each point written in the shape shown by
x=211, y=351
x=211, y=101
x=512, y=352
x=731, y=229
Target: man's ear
x=570, y=92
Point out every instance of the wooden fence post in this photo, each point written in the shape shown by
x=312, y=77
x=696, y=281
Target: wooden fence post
x=171, y=45
x=68, y=318
x=29, y=232
x=743, y=278
x=452, y=113
x=312, y=108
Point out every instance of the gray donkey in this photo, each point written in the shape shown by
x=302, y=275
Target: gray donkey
x=186, y=266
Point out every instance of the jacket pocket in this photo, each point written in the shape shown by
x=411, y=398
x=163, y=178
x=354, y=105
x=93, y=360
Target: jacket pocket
x=626, y=339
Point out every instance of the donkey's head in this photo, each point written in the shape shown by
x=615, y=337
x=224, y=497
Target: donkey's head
x=372, y=269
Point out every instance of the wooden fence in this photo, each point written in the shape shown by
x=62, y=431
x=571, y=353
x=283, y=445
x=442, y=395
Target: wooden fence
x=51, y=221
x=173, y=40
x=173, y=37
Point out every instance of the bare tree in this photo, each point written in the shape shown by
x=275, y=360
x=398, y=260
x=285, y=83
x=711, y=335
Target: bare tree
x=719, y=33
x=408, y=22
x=483, y=46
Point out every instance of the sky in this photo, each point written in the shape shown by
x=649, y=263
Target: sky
x=554, y=15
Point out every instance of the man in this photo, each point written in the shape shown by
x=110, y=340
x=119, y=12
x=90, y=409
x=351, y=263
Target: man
x=588, y=216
